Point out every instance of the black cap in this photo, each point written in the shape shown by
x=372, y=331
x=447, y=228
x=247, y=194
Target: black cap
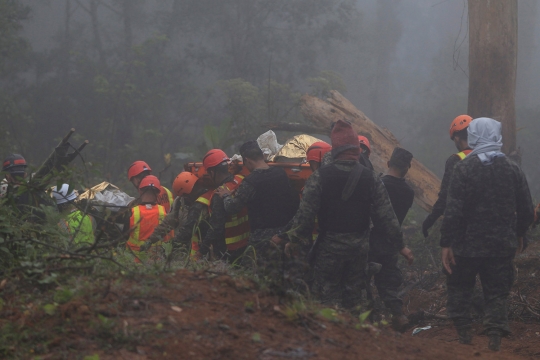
x=14, y=164
x=401, y=158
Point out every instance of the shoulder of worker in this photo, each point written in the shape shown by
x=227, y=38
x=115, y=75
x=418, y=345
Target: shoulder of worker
x=452, y=161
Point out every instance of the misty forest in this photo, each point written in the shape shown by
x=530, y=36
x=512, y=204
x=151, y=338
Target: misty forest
x=142, y=79
x=165, y=81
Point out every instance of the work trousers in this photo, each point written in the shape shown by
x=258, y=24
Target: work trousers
x=339, y=274
x=496, y=276
x=388, y=281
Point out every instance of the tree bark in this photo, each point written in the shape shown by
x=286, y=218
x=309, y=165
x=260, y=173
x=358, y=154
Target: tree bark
x=493, y=64
x=322, y=113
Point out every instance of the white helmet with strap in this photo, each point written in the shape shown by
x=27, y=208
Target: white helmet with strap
x=61, y=196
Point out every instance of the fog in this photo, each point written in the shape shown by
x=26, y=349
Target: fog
x=142, y=78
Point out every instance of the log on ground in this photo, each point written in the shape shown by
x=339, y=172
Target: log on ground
x=322, y=113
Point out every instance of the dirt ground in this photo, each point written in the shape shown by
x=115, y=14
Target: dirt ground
x=210, y=315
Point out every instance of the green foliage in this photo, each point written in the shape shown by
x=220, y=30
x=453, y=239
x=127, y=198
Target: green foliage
x=63, y=295
x=329, y=314
x=327, y=80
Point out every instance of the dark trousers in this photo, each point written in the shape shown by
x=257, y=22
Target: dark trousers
x=496, y=276
x=388, y=281
x=339, y=277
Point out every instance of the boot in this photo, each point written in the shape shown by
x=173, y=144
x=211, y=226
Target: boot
x=494, y=341
x=465, y=335
x=400, y=322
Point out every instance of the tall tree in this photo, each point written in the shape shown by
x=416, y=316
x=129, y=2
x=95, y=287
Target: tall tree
x=493, y=64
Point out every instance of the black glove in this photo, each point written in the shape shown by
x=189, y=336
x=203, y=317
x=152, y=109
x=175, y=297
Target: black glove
x=144, y=247
x=427, y=224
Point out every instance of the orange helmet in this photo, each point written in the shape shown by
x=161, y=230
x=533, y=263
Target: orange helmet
x=317, y=150
x=460, y=123
x=150, y=181
x=184, y=183
x=364, y=141
x=214, y=157
x=136, y=168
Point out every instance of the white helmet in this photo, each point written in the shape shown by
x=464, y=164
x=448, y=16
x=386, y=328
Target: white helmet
x=62, y=196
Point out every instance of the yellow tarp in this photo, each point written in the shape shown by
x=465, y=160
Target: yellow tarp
x=91, y=193
x=295, y=148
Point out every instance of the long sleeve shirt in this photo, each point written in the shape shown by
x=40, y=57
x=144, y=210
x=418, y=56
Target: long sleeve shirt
x=488, y=208
x=440, y=204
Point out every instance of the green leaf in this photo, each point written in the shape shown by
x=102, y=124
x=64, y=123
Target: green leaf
x=92, y=357
x=363, y=316
x=256, y=337
x=50, y=309
x=329, y=314
x=62, y=296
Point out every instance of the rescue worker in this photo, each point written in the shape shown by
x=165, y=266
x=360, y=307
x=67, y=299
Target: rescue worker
x=25, y=198
x=458, y=133
x=228, y=234
x=344, y=195
x=384, y=252
x=488, y=212
x=145, y=217
x=138, y=171
x=365, y=152
x=315, y=154
x=192, y=222
x=271, y=203
x=78, y=225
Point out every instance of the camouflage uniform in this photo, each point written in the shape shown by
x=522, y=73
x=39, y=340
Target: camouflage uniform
x=488, y=208
x=341, y=258
x=176, y=217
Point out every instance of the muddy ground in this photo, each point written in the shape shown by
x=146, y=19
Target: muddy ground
x=208, y=314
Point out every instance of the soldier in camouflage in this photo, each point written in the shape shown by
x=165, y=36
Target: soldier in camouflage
x=344, y=195
x=488, y=211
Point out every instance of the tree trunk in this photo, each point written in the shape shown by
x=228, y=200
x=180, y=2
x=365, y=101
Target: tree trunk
x=526, y=96
x=493, y=64
x=322, y=113
x=95, y=29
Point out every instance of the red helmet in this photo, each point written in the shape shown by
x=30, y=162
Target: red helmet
x=460, y=123
x=184, y=183
x=136, y=168
x=317, y=150
x=364, y=141
x=14, y=163
x=150, y=181
x=214, y=157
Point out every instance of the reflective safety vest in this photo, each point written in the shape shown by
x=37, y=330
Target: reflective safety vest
x=237, y=225
x=462, y=155
x=165, y=198
x=144, y=219
x=81, y=226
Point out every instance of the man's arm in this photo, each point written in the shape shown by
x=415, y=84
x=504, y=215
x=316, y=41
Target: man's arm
x=454, y=218
x=524, y=205
x=215, y=236
x=185, y=232
x=304, y=219
x=170, y=222
x=440, y=204
x=383, y=215
x=234, y=203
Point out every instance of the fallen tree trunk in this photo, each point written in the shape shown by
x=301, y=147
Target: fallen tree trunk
x=322, y=113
